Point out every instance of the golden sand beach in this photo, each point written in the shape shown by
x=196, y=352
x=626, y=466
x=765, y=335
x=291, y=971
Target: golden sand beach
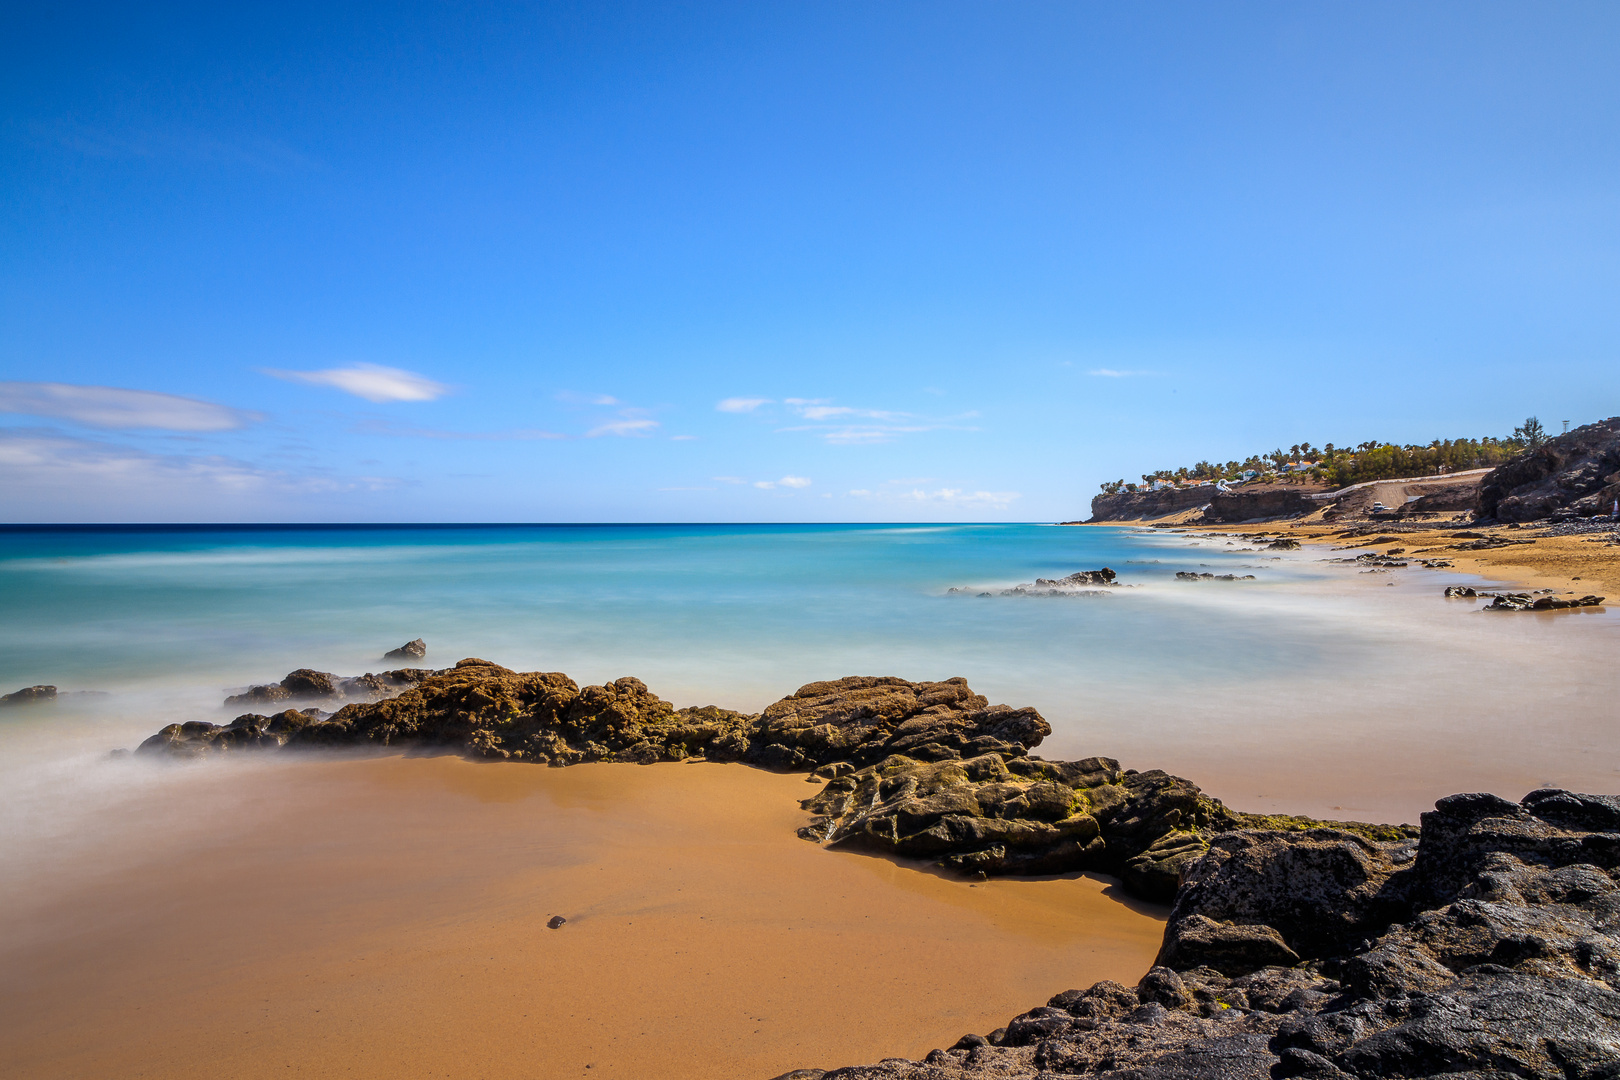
x=387, y=917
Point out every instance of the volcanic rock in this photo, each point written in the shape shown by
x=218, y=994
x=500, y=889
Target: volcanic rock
x=1493, y=954
x=1252, y=502
x=307, y=684
x=1531, y=602
x=411, y=650
x=1136, y=505
x=29, y=695
x=1578, y=471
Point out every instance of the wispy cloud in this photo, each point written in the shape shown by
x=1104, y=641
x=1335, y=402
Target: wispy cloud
x=954, y=497
x=370, y=381
x=266, y=155
x=1111, y=373
x=117, y=408
x=741, y=404
x=400, y=431
x=627, y=427
x=786, y=481
x=848, y=425
x=52, y=476
x=995, y=500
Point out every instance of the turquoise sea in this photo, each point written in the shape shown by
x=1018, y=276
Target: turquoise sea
x=1315, y=688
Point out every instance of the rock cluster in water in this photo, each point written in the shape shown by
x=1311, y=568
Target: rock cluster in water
x=925, y=770
x=1485, y=946
x=29, y=695
x=1079, y=583
x=1486, y=949
x=487, y=710
x=1541, y=600
x=411, y=650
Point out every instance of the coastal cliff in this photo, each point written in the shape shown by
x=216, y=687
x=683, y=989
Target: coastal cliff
x=1139, y=505
x=1577, y=473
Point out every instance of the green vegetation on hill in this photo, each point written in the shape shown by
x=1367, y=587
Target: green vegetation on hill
x=1341, y=466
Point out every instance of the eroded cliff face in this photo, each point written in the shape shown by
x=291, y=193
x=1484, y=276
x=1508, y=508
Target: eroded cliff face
x=1577, y=472
x=1139, y=505
x=1256, y=501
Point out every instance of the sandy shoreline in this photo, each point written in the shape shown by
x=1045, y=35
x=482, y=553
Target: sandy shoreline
x=387, y=917
x=1569, y=565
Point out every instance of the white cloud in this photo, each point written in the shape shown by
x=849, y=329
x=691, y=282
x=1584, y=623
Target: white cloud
x=1111, y=373
x=683, y=438
x=629, y=428
x=846, y=425
x=370, y=381
x=741, y=404
x=112, y=407
x=48, y=476
x=786, y=481
x=997, y=500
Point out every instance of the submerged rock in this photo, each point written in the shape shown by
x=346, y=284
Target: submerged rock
x=29, y=695
x=1494, y=953
x=1532, y=602
x=411, y=650
x=307, y=684
x=487, y=710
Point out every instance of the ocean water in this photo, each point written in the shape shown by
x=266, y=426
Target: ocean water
x=1315, y=688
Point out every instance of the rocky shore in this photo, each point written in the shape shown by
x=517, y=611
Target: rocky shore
x=925, y=770
x=1486, y=949
x=1482, y=946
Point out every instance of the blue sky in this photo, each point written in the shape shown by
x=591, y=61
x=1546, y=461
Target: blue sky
x=781, y=261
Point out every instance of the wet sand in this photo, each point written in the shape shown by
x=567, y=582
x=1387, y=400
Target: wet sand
x=386, y=917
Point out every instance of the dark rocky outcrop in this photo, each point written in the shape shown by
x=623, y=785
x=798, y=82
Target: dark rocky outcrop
x=487, y=710
x=1533, y=602
x=925, y=770
x=29, y=695
x=411, y=650
x=1577, y=472
x=1002, y=813
x=1489, y=949
x=1193, y=575
x=1079, y=583
x=1253, y=502
x=1449, y=498
x=1138, y=505
x=307, y=684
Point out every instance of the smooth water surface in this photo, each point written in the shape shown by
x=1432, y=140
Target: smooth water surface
x=1314, y=688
